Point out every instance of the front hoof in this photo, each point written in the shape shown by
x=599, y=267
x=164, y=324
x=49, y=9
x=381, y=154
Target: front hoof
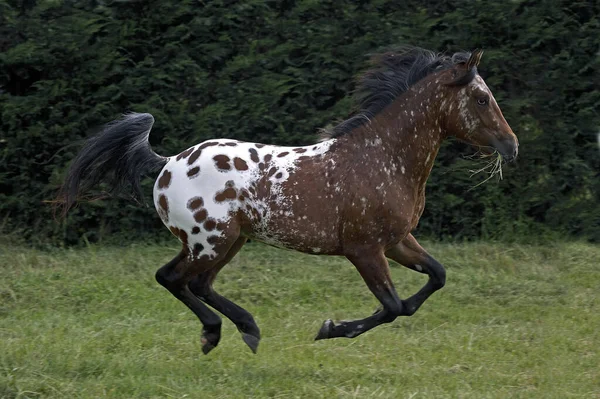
x=326, y=330
x=209, y=341
x=252, y=341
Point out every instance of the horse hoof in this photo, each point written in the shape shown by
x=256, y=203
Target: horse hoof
x=207, y=348
x=325, y=331
x=251, y=341
x=209, y=342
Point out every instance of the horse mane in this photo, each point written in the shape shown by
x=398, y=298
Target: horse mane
x=391, y=74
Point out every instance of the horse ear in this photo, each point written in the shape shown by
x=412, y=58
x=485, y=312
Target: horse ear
x=474, y=59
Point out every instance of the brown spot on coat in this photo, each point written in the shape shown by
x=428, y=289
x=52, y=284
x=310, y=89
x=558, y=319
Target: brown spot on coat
x=180, y=233
x=200, y=215
x=272, y=171
x=264, y=189
x=268, y=157
x=240, y=164
x=165, y=180
x=212, y=240
x=283, y=154
x=163, y=210
x=231, y=144
x=193, y=172
x=222, y=162
x=254, y=155
x=194, y=156
x=184, y=154
x=183, y=236
x=195, y=230
x=300, y=150
x=207, y=144
x=279, y=175
x=210, y=224
x=163, y=202
x=227, y=194
x=195, y=203
x=258, y=145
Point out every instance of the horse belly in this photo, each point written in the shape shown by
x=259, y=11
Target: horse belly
x=298, y=233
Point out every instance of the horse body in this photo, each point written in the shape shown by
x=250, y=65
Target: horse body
x=358, y=194
x=222, y=185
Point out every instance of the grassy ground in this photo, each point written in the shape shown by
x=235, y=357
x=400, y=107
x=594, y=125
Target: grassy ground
x=512, y=321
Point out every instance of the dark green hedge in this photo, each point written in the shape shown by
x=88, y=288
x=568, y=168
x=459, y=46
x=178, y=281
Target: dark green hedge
x=276, y=71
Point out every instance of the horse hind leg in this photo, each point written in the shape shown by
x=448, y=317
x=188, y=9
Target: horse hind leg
x=176, y=275
x=202, y=287
x=173, y=276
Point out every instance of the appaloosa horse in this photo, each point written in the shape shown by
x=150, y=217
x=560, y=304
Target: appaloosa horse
x=359, y=193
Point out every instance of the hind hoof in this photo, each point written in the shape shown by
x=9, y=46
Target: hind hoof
x=326, y=330
x=207, y=347
x=209, y=342
x=251, y=341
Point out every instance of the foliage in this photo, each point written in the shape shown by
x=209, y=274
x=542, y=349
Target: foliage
x=276, y=71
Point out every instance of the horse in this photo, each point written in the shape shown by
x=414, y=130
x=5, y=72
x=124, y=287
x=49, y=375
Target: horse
x=358, y=193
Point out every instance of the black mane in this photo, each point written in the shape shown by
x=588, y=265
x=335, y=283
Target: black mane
x=392, y=74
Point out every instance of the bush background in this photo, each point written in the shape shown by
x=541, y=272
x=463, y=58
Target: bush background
x=275, y=72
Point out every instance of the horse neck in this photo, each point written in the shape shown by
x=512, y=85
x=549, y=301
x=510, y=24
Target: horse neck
x=406, y=136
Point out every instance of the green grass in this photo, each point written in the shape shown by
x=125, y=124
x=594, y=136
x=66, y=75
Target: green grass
x=512, y=322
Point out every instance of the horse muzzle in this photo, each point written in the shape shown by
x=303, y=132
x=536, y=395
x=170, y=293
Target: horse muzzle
x=508, y=148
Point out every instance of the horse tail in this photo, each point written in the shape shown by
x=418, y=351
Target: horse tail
x=118, y=156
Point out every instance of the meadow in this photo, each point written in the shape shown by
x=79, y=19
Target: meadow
x=513, y=321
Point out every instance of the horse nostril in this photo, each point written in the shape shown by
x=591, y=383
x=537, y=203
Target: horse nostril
x=516, y=150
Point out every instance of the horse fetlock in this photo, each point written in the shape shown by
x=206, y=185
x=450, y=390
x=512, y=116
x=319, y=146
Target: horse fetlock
x=354, y=333
x=409, y=308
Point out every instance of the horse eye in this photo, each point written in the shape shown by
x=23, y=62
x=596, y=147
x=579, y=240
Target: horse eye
x=482, y=101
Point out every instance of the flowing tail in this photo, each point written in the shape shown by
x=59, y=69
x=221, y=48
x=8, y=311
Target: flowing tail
x=118, y=156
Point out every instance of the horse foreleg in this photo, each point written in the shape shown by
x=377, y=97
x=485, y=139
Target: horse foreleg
x=174, y=277
x=374, y=269
x=409, y=253
x=202, y=287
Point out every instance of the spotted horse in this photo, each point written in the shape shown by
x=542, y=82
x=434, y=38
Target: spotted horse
x=358, y=193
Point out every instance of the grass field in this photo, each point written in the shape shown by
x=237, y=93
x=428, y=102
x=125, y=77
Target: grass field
x=512, y=322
